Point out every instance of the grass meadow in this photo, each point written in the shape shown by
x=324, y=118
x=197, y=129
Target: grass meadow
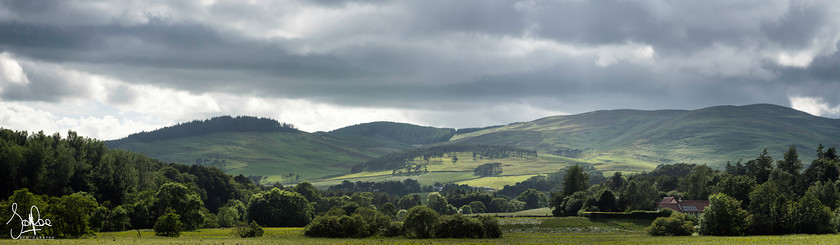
x=518, y=230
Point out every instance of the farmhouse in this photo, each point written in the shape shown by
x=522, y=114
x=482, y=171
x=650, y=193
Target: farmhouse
x=693, y=207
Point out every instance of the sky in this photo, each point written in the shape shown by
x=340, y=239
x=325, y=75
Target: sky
x=106, y=69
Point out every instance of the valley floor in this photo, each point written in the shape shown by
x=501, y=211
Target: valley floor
x=548, y=230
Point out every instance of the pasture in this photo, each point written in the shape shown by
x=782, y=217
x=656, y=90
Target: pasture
x=518, y=230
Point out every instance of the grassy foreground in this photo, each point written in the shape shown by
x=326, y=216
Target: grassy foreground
x=569, y=230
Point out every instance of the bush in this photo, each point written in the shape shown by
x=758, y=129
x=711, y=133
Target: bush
x=375, y=222
x=420, y=222
x=169, y=224
x=459, y=226
x=335, y=226
x=492, y=229
x=251, y=230
x=674, y=225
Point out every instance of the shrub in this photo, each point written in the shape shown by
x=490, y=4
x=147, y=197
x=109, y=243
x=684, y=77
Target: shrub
x=492, y=229
x=459, y=226
x=375, y=222
x=169, y=224
x=420, y=221
x=674, y=225
x=251, y=230
x=335, y=226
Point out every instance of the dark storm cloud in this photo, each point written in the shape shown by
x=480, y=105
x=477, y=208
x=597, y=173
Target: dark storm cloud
x=432, y=54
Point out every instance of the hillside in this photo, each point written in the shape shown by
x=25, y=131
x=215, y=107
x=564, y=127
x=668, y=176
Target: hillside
x=274, y=150
x=400, y=135
x=712, y=135
x=614, y=140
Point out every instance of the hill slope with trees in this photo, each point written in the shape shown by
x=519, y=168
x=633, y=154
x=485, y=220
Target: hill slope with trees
x=711, y=135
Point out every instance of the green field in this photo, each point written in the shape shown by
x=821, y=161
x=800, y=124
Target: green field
x=548, y=230
x=444, y=170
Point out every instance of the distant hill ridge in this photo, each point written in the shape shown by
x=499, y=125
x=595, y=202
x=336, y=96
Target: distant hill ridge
x=209, y=126
x=400, y=132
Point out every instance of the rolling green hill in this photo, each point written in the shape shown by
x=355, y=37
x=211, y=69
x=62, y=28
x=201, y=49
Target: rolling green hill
x=274, y=150
x=615, y=140
x=712, y=135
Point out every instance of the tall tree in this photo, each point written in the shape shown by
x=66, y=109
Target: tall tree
x=696, y=184
x=575, y=180
x=759, y=169
x=640, y=195
x=790, y=162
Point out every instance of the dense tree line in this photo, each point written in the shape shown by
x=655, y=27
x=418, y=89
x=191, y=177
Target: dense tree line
x=400, y=132
x=759, y=197
x=209, y=126
x=77, y=178
x=399, y=160
x=397, y=188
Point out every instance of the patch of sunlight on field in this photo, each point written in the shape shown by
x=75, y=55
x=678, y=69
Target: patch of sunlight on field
x=496, y=182
x=361, y=175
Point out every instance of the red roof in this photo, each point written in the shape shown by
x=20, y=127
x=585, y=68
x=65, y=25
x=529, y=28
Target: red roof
x=683, y=206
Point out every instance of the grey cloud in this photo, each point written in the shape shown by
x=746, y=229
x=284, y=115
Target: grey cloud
x=434, y=55
x=44, y=85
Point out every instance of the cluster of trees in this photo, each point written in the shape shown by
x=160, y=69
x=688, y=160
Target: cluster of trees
x=209, y=126
x=488, y=169
x=76, y=178
x=397, y=188
x=400, y=132
x=780, y=199
x=762, y=196
x=398, y=160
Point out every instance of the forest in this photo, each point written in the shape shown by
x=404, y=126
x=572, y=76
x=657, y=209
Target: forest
x=83, y=187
